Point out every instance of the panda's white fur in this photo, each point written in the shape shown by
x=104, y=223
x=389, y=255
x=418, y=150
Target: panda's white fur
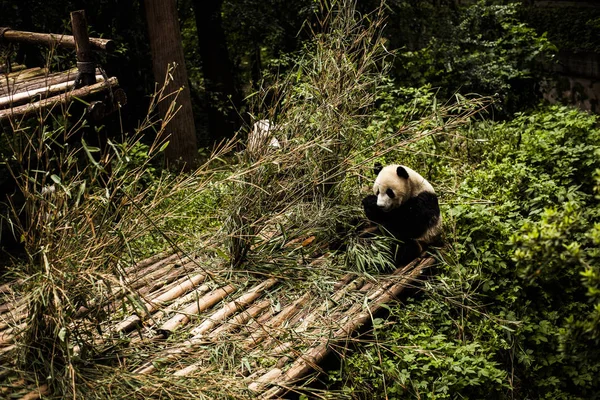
x=403, y=189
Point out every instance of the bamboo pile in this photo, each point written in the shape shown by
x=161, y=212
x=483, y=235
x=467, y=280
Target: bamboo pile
x=27, y=91
x=188, y=310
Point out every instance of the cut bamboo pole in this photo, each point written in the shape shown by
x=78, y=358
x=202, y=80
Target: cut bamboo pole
x=39, y=92
x=37, y=393
x=59, y=99
x=164, y=282
x=313, y=357
x=53, y=39
x=25, y=74
x=140, y=265
x=194, y=295
x=268, y=328
x=233, y=307
x=207, y=301
x=12, y=68
x=242, y=318
x=133, y=321
x=11, y=87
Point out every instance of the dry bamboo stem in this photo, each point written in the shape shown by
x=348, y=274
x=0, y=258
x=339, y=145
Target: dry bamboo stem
x=42, y=92
x=37, y=393
x=232, y=307
x=241, y=318
x=163, y=282
x=150, y=261
x=63, y=98
x=16, y=315
x=305, y=363
x=264, y=330
x=38, y=82
x=194, y=295
x=7, y=336
x=53, y=39
x=8, y=287
x=207, y=301
x=132, y=321
x=24, y=75
x=13, y=68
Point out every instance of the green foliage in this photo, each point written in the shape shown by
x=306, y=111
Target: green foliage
x=487, y=51
x=569, y=28
x=517, y=289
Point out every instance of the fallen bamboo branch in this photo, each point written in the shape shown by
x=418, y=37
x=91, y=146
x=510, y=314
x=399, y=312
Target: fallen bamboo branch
x=61, y=99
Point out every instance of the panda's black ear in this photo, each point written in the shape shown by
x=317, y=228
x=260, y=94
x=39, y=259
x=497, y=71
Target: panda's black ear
x=402, y=173
x=377, y=168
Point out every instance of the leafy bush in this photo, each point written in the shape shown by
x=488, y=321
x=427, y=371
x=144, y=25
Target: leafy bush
x=487, y=51
x=514, y=306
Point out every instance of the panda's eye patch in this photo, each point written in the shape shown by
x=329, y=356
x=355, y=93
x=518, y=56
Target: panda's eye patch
x=390, y=193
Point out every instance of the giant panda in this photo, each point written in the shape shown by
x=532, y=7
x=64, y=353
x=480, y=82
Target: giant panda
x=405, y=205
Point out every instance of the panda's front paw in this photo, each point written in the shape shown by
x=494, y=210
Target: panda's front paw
x=369, y=202
x=372, y=211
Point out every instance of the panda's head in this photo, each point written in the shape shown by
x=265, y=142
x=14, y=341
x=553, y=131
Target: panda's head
x=395, y=184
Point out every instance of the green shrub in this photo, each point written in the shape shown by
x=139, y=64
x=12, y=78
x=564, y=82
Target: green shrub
x=514, y=305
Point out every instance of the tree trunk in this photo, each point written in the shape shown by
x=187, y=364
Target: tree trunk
x=166, y=48
x=217, y=69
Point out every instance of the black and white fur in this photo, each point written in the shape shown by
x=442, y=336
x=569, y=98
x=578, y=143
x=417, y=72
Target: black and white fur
x=405, y=205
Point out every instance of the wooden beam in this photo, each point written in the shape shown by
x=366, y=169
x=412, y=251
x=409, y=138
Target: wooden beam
x=40, y=92
x=59, y=99
x=53, y=39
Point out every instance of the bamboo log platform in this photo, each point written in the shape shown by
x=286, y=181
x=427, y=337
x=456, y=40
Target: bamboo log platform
x=277, y=335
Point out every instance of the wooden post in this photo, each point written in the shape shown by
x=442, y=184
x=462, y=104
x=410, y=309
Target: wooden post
x=85, y=63
x=165, y=45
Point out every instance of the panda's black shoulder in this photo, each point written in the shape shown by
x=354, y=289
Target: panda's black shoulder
x=423, y=206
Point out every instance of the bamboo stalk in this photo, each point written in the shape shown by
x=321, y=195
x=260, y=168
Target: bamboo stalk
x=150, y=261
x=59, y=99
x=25, y=74
x=194, y=295
x=13, y=68
x=133, y=321
x=38, y=82
x=8, y=287
x=309, y=360
x=53, y=39
x=207, y=301
x=37, y=393
x=16, y=315
x=264, y=331
x=232, y=307
x=164, y=282
x=242, y=318
x=39, y=92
